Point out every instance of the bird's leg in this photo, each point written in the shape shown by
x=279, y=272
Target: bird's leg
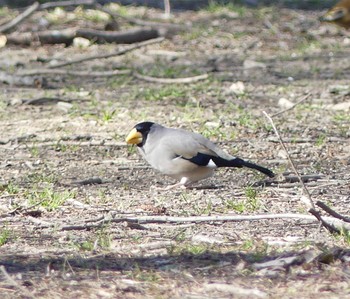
x=184, y=182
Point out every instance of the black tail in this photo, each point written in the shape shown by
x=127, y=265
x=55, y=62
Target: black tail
x=237, y=162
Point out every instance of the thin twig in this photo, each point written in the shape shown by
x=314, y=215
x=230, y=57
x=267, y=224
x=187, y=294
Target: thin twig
x=20, y=18
x=303, y=140
x=66, y=261
x=171, y=80
x=34, y=72
x=23, y=290
x=291, y=161
x=290, y=108
x=331, y=212
x=331, y=228
x=116, y=53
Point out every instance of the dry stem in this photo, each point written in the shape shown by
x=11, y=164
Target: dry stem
x=291, y=161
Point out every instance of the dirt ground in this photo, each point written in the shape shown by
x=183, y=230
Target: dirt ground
x=53, y=243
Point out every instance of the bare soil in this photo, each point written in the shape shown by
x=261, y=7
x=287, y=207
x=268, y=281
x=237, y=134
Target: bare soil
x=47, y=148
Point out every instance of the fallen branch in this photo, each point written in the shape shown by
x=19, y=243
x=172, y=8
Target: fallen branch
x=171, y=80
x=290, y=108
x=331, y=212
x=49, y=5
x=303, y=140
x=119, y=37
x=291, y=161
x=66, y=36
x=20, y=18
x=116, y=53
x=34, y=72
x=326, y=224
x=331, y=228
x=98, y=222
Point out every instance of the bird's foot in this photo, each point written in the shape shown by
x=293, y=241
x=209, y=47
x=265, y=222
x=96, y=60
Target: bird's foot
x=170, y=187
x=183, y=184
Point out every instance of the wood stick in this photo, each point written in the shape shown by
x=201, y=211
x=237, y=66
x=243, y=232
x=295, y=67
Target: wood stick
x=331, y=212
x=66, y=36
x=331, y=228
x=116, y=53
x=20, y=18
x=120, y=37
x=34, y=72
x=98, y=222
x=291, y=161
x=171, y=80
x=63, y=36
x=290, y=108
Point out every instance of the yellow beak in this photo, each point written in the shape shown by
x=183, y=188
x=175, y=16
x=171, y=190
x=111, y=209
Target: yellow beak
x=134, y=137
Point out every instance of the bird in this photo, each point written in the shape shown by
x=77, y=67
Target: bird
x=339, y=14
x=183, y=155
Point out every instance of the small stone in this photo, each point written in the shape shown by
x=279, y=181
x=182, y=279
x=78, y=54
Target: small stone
x=3, y=41
x=202, y=238
x=341, y=106
x=346, y=41
x=212, y=124
x=64, y=106
x=251, y=64
x=237, y=88
x=16, y=102
x=81, y=43
x=285, y=103
x=82, y=93
x=339, y=89
x=282, y=154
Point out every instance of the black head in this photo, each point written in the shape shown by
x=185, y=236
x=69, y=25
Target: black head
x=144, y=127
x=139, y=133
